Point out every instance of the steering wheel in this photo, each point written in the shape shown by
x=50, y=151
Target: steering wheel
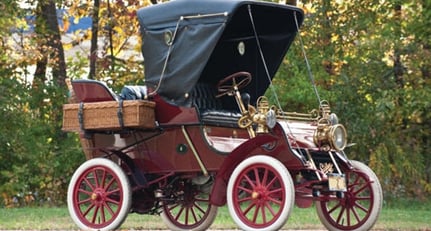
x=236, y=81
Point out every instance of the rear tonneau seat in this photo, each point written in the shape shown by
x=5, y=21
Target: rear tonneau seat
x=88, y=90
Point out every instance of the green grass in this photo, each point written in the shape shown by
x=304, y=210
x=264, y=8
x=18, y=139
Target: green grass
x=403, y=216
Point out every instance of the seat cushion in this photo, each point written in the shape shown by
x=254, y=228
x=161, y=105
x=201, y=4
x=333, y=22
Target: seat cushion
x=220, y=118
x=134, y=92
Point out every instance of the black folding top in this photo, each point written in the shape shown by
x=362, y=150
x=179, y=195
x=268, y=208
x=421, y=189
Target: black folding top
x=186, y=41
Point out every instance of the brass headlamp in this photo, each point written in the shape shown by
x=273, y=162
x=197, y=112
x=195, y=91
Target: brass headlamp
x=329, y=134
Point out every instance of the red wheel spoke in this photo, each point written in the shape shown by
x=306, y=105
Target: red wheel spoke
x=351, y=178
x=361, y=189
x=348, y=215
x=197, y=206
x=265, y=177
x=173, y=207
x=262, y=208
x=340, y=215
x=96, y=211
x=358, y=219
x=110, y=200
x=256, y=213
x=113, y=191
x=249, y=208
x=179, y=213
x=102, y=214
x=96, y=180
x=84, y=201
x=195, y=214
x=252, y=184
x=106, y=205
x=334, y=208
x=270, y=209
x=245, y=189
x=109, y=184
x=88, y=210
x=103, y=179
x=361, y=207
x=89, y=184
x=272, y=181
x=85, y=191
x=195, y=218
x=274, y=200
x=256, y=176
x=245, y=199
x=275, y=191
x=187, y=216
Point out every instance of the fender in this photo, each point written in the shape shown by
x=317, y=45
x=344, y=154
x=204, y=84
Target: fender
x=218, y=194
x=344, y=160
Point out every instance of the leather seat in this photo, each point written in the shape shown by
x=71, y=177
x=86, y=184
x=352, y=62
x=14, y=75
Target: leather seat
x=210, y=108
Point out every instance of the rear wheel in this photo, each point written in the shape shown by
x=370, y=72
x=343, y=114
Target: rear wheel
x=260, y=194
x=190, y=211
x=99, y=195
x=360, y=206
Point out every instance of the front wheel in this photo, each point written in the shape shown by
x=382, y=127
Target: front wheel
x=99, y=195
x=360, y=206
x=260, y=194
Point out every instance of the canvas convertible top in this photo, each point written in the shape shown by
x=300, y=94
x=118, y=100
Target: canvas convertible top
x=190, y=41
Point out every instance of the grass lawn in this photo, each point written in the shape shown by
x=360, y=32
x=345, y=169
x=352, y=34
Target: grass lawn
x=403, y=216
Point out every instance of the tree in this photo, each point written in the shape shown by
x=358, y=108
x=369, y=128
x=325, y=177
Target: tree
x=34, y=167
x=367, y=59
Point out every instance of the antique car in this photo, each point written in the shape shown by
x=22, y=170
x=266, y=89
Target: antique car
x=200, y=133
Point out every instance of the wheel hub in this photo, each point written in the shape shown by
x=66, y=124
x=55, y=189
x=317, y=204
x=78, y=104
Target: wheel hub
x=97, y=195
x=349, y=199
x=255, y=195
x=259, y=193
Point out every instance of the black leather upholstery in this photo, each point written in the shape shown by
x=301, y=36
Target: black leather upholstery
x=204, y=97
x=210, y=108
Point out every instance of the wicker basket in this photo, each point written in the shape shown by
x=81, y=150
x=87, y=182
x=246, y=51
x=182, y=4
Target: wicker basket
x=109, y=115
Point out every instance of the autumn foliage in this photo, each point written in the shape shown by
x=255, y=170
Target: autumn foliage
x=369, y=59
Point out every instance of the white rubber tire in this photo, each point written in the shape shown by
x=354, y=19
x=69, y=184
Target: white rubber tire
x=285, y=179
x=376, y=207
x=76, y=181
x=202, y=226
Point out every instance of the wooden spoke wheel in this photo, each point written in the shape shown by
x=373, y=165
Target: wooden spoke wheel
x=360, y=206
x=190, y=211
x=99, y=195
x=260, y=194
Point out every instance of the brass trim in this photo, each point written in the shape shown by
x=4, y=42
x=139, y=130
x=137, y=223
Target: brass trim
x=195, y=153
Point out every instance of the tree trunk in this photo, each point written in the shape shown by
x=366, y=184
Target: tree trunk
x=51, y=47
x=52, y=52
x=94, y=37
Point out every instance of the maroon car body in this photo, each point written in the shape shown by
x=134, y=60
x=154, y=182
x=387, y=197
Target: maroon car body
x=215, y=140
